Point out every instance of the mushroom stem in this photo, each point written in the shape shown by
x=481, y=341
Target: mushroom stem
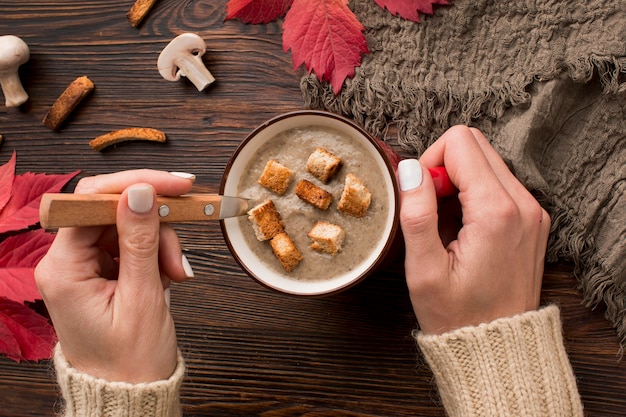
x=13, y=53
x=14, y=93
x=192, y=67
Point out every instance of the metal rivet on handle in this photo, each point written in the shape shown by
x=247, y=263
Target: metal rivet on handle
x=209, y=209
x=164, y=210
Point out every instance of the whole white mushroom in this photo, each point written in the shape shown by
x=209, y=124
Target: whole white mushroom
x=13, y=53
x=183, y=57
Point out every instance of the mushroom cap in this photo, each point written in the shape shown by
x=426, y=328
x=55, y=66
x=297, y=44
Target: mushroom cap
x=187, y=44
x=13, y=52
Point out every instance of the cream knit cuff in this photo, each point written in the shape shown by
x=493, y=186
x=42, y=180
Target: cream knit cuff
x=514, y=366
x=86, y=396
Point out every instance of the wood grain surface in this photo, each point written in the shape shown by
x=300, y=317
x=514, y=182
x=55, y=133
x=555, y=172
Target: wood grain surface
x=250, y=351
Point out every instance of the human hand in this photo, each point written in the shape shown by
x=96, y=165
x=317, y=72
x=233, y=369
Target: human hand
x=478, y=258
x=104, y=286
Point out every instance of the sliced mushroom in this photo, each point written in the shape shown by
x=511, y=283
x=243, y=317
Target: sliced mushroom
x=13, y=53
x=183, y=57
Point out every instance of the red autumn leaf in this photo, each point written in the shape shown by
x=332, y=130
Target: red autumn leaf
x=7, y=175
x=19, y=255
x=325, y=36
x=8, y=345
x=22, y=210
x=257, y=11
x=24, y=334
x=409, y=9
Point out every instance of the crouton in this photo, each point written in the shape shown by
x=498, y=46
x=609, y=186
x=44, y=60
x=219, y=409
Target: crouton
x=323, y=164
x=327, y=237
x=266, y=220
x=276, y=177
x=355, y=198
x=286, y=251
x=313, y=194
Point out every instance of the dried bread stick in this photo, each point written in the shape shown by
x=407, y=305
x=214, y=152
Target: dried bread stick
x=122, y=135
x=67, y=102
x=139, y=10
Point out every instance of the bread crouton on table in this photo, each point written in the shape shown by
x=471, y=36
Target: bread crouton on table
x=286, y=251
x=313, y=194
x=266, y=221
x=355, y=198
x=276, y=177
x=323, y=164
x=327, y=237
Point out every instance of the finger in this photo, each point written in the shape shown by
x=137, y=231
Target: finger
x=167, y=295
x=77, y=250
x=109, y=241
x=418, y=219
x=466, y=164
x=173, y=263
x=529, y=206
x=165, y=183
x=73, y=239
x=450, y=219
x=109, y=265
x=138, y=234
x=541, y=249
x=515, y=188
x=480, y=190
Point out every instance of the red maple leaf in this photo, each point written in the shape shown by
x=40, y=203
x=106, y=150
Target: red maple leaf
x=409, y=9
x=325, y=36
x=24, y=334
x=22, y=210
x=8, y=344
x=257, y=11
x=19, y=255
x=7, y=175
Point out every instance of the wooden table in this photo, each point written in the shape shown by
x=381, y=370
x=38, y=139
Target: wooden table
x=250, y=351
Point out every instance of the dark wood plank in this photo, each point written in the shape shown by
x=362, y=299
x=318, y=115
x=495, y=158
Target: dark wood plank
x=250, y=351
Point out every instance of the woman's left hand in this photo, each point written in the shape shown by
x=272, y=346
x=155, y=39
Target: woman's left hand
x=104, y=286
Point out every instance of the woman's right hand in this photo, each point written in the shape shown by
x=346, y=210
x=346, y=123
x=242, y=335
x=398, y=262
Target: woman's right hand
x=476, y=258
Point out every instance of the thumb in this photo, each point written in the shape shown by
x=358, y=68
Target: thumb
x=138, y=237
x=419, y=219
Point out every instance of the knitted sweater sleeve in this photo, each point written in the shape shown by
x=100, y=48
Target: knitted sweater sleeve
x=86, y=396
x=514, y=366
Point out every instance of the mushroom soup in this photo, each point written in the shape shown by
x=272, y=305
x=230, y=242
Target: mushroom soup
x=292, y=148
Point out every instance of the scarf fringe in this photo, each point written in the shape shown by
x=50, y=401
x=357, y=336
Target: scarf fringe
x=422, y=115
x=568, y=243
x=611, y=71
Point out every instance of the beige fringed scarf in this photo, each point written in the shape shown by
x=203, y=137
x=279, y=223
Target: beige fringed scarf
x=544, y=79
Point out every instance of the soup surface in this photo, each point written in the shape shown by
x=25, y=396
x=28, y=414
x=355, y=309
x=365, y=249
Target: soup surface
x=292, y=149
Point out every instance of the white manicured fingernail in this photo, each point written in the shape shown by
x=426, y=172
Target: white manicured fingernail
x=184, y=175
x=167, y=294
x=187, y=267
x=409, y=174
x=140, y=198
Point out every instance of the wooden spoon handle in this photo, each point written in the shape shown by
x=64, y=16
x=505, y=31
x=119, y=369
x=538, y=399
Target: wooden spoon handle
x=73, y=210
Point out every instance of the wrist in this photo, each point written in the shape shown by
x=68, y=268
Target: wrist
x=517, y=362
x=131, y=366
x=85, y=394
